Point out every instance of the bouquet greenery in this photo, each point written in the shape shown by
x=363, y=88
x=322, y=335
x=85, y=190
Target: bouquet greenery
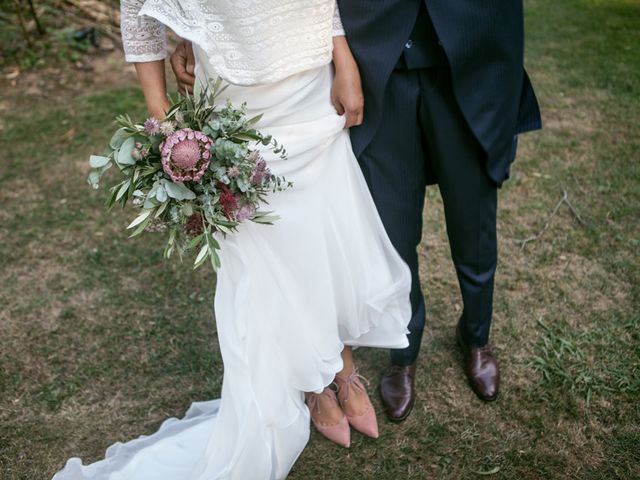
x=196, y=173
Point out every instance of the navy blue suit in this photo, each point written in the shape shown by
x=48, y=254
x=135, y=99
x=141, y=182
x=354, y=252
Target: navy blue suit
x=446, y=95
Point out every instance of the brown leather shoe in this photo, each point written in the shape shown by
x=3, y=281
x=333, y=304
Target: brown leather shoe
x=397, y=389
x=481, y=368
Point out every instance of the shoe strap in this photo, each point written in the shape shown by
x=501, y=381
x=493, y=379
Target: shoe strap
x=354, y=381
x=313, y=399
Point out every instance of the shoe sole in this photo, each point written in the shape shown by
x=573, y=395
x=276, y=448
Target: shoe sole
x=485, y=399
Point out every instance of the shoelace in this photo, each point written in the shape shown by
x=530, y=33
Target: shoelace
x=313, y=400
x=353, y=381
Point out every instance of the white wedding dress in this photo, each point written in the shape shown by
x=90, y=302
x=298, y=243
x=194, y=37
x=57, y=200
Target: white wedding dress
x=288, y=297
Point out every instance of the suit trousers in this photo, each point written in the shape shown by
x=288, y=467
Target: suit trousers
x=423, y=132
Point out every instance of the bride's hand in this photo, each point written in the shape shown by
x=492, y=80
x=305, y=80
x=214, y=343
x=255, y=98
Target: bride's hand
x=346, y=92
x=183, y=64
x=159, y=110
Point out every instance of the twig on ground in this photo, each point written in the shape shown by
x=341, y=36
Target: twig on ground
x=565, y=199
x=575, y=212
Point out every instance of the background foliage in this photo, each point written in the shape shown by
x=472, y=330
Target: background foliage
x=35, y=32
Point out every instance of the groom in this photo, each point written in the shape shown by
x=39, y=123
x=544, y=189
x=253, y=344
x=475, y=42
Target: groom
x=445, y=97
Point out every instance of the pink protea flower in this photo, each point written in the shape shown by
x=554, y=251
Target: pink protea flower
x=185, y=155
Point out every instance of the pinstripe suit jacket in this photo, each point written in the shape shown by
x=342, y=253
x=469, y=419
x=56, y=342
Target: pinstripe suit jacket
x=484, y=43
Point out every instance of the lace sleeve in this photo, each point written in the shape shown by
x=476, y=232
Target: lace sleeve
x=143, y=38
x=338, y=29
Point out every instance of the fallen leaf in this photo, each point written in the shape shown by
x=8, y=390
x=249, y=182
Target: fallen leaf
x=488, y=472
x=69, y=134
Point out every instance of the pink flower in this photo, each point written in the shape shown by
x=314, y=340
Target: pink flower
x=152, y=126
x=185, y=155
x=244, y=213
x=141, y=151
x=259, y=172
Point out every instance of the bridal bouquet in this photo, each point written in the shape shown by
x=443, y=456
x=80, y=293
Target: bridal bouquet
x=193, y=174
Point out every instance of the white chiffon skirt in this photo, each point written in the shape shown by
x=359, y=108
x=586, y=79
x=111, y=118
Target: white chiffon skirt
x=288, y=298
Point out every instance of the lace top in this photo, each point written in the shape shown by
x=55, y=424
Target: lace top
x=247, y=41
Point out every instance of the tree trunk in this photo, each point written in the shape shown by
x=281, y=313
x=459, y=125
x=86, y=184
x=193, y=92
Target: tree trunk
x=23, y=26
x=39, y=26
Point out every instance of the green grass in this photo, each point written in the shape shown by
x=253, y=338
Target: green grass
x=102, y=340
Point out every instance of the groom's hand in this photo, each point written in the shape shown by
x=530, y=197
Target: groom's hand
x=183, y=64
x=346, y=92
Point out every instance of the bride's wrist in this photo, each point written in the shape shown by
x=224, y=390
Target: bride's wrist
x=342, y=57
x=344, y=65
x=154, y=86
x=158, y=113
x=158, y=106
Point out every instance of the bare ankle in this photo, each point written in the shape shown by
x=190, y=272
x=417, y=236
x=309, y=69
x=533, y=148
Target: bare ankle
x=347, y=363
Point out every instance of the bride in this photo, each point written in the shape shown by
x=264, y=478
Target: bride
x=292, y=299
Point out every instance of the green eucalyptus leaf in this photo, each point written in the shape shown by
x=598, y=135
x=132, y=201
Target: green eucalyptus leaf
x=178, y=190
x=98, y=161
x=243, y=185
x=124, y=155
x=161, y=194
x=150, y=203
x=94, y=178
x=118, y=138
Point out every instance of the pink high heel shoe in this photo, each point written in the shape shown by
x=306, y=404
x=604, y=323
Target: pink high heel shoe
x=366, y=421
x=340, y=432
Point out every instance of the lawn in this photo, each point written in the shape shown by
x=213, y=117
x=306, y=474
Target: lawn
x=102, y=340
